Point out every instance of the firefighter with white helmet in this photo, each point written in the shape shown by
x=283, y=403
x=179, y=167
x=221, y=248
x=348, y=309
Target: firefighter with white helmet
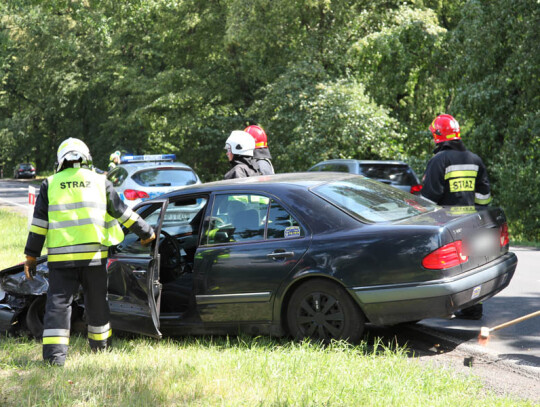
x=114, y=160
x=239, y=148
x=77, y=212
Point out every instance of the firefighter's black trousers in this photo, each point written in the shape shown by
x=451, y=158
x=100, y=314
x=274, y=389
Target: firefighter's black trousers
x=63, y=284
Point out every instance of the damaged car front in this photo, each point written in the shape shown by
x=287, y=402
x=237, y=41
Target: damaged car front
x=22, y=301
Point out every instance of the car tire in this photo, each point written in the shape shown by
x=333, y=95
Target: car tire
x=36, y=313
x=323, y=311
x=34, y=316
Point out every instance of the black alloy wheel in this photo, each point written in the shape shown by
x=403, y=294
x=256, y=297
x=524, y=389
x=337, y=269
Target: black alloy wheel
x=322, y=310
x=36, y=313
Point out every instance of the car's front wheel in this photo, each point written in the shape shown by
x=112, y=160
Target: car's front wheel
x=34, y=316
x=322, y=310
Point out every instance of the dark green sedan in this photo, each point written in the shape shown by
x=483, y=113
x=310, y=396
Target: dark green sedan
x=307, y=255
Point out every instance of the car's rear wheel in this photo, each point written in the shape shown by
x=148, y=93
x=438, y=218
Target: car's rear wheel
x=322, y=310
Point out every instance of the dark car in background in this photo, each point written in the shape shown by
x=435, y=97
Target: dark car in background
x=24, y=170
x=307, y=255
x=396, y=173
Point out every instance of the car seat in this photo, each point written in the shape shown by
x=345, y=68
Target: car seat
x=247, y=225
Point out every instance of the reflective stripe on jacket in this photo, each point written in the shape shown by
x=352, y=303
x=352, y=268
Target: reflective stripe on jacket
x=456, y=176
x=79, y=226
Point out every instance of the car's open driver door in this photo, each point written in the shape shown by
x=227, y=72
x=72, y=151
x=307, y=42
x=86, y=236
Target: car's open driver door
x=134, y=288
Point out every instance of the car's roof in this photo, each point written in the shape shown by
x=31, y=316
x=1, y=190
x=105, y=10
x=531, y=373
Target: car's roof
x=154, y=164
x=350, y=160
x=302, y=180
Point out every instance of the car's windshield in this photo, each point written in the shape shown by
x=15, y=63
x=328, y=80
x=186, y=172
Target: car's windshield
x=165, y=177
x=372, y=201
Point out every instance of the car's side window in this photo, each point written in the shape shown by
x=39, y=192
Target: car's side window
x=335, y=167
x=244, y=217
x=236, y=218
x=132, y=243
x=117, y=176
x=281, y=225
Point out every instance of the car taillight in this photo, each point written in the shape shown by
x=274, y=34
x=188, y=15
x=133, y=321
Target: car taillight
x=132, y=194
x=505, y=237
x=416, y=188
x=445, y=257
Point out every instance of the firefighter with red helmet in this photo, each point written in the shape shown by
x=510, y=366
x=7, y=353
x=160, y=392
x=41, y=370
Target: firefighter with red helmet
x=455, y=177
x=261, y=154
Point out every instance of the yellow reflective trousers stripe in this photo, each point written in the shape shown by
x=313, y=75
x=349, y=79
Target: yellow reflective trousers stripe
x=55, y=340
x=100, y=337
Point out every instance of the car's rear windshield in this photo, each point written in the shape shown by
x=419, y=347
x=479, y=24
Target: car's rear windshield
x=165, y=177
x=26, y=166
x=396, y=173
x=373, y=201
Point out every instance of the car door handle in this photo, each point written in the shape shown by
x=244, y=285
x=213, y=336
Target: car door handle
x=139, y=273
x=280, y=255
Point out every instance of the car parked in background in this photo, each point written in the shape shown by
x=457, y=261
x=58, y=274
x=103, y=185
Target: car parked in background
x=307, y=255
x=395, y=173
x=142, y=177
x=24, y=170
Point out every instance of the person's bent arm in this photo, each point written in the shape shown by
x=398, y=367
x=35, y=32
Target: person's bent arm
x=127, y=217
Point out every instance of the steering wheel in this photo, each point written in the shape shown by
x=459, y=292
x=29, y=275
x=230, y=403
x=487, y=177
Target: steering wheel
x=173, y=259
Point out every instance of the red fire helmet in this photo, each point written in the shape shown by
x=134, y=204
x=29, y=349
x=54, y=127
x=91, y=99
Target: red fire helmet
x=445, y=128
x=259, y=135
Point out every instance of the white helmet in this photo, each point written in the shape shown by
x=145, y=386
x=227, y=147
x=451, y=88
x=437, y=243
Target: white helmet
x=73, y=149
x=241, y=143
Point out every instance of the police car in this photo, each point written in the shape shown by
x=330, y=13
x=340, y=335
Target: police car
x=141, y=177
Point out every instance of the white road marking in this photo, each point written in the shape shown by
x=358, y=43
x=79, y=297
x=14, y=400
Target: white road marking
x=14, y=203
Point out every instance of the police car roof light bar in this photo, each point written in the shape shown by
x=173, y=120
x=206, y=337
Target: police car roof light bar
x=148, y=158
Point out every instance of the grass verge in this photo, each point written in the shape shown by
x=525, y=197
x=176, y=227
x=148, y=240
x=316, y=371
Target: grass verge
x=13, y=231
x=242, y=371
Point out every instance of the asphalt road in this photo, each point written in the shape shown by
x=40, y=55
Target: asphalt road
x=14, y=194
x=518, y=344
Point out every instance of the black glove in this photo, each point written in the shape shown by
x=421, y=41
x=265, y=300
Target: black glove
x=30, y=267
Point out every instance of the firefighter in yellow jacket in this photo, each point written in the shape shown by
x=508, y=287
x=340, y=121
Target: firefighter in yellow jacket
x=77, y=212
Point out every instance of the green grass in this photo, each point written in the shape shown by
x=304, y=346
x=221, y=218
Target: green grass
x=222, y=371
x=241, y=371
x=13, y=232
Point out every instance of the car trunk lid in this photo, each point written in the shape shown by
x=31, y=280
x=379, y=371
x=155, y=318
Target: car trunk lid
x=480, y=233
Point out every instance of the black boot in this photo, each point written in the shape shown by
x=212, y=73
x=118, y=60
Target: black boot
x=474, y=312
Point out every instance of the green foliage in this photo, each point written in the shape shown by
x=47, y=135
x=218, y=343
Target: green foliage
x=325, y=78
x=309, y=117
x=497, y=97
